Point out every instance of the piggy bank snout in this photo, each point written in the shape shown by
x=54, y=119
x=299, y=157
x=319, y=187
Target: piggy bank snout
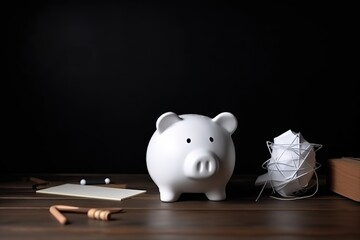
x=200, y=164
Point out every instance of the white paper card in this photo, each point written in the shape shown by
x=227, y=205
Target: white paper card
x=90, y=191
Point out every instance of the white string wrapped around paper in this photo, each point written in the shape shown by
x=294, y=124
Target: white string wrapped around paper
x=291, y=167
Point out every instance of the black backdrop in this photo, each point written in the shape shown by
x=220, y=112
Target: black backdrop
x=88, y=79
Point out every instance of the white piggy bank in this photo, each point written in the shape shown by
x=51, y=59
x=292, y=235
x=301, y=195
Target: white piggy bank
x=192, y=153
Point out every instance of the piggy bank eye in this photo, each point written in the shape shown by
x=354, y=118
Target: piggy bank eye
x=188, y=140
x=211, y=139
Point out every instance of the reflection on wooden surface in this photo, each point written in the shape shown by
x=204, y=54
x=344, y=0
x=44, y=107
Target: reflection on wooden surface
x=25, y=214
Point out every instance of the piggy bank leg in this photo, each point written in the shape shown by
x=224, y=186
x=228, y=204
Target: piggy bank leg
x=216, y=194
x=167, y=195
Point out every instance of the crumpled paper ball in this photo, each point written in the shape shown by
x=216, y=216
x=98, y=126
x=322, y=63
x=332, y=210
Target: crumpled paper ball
x=291, y=167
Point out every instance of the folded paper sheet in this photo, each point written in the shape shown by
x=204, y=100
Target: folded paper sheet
x=291, y=167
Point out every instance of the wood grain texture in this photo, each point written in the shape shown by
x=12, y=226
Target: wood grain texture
x=344, y=177
x=25, y=215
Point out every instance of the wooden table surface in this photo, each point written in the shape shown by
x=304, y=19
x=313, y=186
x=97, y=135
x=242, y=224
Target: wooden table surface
x=24, y=214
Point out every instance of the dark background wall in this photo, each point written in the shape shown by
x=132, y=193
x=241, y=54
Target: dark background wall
x=85, y=81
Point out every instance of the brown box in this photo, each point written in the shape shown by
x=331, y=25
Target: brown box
x=344, y=177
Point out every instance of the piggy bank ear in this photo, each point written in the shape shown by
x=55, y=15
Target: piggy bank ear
x=166, y=120
x=226, y=120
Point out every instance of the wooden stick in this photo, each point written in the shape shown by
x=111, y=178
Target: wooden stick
x=37, y=182
x=58, y=216
x=66, y=208
x=94, y=213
